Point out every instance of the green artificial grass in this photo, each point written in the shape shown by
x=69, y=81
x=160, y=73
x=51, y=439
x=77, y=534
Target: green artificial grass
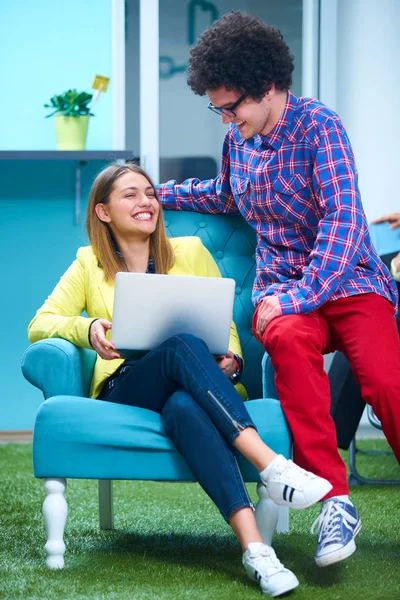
x=171, y=543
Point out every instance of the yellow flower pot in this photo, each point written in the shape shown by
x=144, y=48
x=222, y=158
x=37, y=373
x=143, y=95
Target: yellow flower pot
x=71, y=132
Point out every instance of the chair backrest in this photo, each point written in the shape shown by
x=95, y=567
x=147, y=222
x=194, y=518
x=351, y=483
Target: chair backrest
x=385, y=240
x=232, y=243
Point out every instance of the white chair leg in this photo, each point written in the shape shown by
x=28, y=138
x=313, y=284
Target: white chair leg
x=106, y=516
x=283, y=520
x=266, y=513
x=55, y=511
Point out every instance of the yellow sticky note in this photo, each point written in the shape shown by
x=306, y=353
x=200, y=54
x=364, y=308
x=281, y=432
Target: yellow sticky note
x=100, y=83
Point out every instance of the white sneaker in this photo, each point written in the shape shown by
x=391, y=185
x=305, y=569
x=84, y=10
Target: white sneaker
x=289, y=485
x=261, y=565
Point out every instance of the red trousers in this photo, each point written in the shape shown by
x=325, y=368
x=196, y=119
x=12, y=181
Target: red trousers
x=363, y=327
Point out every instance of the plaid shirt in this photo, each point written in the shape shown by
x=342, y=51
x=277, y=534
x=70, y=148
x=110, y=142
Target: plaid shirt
x=297, y=187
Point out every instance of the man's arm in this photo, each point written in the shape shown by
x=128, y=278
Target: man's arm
x=210, y=196
x=341, y=228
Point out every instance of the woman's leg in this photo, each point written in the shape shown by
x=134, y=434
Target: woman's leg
x=214, y=465
x=209, y=456
x=184, y=362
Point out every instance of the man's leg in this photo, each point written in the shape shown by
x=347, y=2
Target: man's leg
x=365, y=330
x=295, y=344
x=347, y=404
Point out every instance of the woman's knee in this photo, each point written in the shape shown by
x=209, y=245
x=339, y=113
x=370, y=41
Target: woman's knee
x=179, y=410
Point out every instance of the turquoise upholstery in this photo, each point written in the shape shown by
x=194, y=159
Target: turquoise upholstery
x=76, y=437
x=80, y=438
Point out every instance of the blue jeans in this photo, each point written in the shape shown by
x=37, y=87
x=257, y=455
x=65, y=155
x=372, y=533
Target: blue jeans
x=201, y=411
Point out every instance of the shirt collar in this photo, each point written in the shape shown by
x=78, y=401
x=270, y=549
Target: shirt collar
x=275, y=137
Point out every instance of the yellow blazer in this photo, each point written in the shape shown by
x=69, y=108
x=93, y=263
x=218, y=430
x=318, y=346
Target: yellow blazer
x=83, y=288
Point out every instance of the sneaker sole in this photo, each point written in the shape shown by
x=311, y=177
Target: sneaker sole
x=322, y=493
x=282, y=590
x=345, y=552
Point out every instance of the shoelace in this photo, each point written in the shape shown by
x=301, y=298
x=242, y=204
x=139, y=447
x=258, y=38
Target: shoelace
x=290, y=470
x=266, y=563
x=328, y=522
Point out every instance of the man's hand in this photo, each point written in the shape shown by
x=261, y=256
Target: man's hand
x=269, y=309
x=393, y=219
x=100, y=343
x=227, y=363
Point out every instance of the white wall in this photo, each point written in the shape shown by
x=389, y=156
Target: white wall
x=368, y=91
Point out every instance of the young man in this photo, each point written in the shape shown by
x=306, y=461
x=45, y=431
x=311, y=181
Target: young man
x=288, y=168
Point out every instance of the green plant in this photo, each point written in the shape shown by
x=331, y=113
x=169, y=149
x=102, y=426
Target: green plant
x=70, y=104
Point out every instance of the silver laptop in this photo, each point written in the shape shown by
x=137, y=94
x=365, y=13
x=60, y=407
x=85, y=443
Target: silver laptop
x=149, y=308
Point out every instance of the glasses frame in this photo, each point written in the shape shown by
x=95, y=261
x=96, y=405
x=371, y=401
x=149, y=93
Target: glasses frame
x=229, y=111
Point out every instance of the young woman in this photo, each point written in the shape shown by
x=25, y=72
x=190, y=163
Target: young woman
x=180, y=379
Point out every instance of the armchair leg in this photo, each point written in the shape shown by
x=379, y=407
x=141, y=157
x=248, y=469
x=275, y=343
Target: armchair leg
x=106, y=516
x=266, y=513
x=55, y=511
x=283, y=520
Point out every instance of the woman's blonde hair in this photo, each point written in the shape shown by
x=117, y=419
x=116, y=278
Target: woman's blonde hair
x=100, y=235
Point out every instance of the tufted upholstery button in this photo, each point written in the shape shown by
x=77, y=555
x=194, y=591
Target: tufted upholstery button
x=202, y=224
x=254, y=257
x=238, y=290
x=219, y=254
x=166, y=223
x=238, y=226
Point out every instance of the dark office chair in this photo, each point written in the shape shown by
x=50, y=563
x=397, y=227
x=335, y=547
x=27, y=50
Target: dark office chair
x=200, y=167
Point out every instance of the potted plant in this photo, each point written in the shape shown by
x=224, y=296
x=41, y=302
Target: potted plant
x=71, y=117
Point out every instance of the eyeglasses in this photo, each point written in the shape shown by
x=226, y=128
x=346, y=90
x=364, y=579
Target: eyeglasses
x=229, y=110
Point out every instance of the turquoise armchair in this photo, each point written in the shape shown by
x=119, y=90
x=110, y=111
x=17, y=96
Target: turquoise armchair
x=77, y=437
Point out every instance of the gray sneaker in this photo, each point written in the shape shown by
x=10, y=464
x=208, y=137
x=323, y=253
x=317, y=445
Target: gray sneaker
x=261, y=565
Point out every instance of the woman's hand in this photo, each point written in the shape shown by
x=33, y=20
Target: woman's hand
x=98, y=340
x=227, y=363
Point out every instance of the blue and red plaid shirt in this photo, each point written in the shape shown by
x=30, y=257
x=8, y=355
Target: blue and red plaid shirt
x=297, y=187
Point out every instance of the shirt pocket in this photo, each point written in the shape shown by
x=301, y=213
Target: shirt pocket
x=240, y=187
x=291, y=197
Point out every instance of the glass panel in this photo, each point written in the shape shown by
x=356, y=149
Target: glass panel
x=188, y=131
x=132, y=96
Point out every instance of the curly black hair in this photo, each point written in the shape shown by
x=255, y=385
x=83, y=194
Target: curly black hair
x=241, y=53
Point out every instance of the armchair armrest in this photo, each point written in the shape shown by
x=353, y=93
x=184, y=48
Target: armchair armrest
x=57, y=367
x=268, y=378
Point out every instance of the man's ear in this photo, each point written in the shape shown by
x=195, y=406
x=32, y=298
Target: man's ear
x=102, y=212
x=271, y=91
